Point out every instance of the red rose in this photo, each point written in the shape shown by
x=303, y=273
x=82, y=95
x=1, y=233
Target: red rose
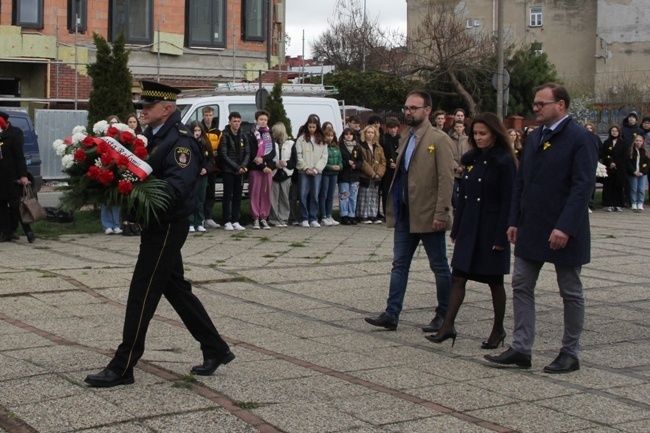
x=122, y=161
x=106, y=159
x=124, y=187
x=106, y=176
x=79, y=155
x=138, y=142
x=112, y=132
x=126, y=138
x=140, y=152
x=93, y=172
x=102, y=147
x=88, y=141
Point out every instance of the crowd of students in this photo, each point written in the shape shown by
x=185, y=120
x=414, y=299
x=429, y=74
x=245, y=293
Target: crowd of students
x=295, y=182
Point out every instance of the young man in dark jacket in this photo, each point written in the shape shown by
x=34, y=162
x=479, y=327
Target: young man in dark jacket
x=234, y=154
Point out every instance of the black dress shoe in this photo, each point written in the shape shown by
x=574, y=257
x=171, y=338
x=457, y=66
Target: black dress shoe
x=107, y=378
x=511, y=357
x=564, y=363
x=31, y=237
x=434, y=325
x=210, y=365
x=15, y=236
x=383, y=321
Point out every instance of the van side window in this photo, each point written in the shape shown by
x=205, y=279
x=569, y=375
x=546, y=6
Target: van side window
x=247, y=112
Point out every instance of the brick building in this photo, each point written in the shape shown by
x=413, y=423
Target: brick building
x=45, y=45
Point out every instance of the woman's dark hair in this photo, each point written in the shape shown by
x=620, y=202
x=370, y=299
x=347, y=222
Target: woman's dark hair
x=138, y=129
x=501, y=136
x=334, y=142
x=350, y=131
x=614, y=127
x=320, y=137
x=203, y=140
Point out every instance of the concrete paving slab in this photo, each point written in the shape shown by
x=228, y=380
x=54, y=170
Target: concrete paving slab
x=596, y=408
x=200, y=422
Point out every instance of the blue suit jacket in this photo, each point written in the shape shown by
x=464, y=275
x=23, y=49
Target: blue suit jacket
x=554, y=182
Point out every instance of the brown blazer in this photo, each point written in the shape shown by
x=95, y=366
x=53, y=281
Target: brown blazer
x=373, y=162
x=430, y=179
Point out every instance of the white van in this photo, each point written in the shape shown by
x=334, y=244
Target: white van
x=298, y=108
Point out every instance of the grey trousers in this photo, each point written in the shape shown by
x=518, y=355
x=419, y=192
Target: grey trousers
x=280, y=202
x=524, y=279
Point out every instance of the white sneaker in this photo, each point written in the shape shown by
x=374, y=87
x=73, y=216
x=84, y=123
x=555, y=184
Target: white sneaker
x=117, y=231
x=314, y=224
x=618, y=209
x=192, y=229
x=334, y=222
x=228, y=227
x=590, y=211
x=256, y=224
x=326, y=222
x=609, y=209
x=633, y=206
x=238, y=226
x=201, y=229
x=305, y=224
x=265, y=225
x=108, y=231
x=640, y=206
x=295, y=223
x=377, y=221
x=210, y=223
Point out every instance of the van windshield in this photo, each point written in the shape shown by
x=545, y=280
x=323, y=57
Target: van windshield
x=183, y=108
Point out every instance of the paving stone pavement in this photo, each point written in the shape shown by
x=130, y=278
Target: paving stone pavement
x=291, y=302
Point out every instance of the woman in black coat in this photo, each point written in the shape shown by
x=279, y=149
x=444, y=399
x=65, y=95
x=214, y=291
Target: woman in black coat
x=481, y=248
x=614, y=156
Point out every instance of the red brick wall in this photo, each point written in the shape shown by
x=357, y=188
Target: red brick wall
x=66, y=83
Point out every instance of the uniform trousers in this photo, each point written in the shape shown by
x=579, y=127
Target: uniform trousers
x=524, y=279
x=159, y=272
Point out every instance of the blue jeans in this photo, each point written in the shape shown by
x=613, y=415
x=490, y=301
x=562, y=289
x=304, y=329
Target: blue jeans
x=326, y=196
x=348, y=193
x=637, y=189
x=309, y=189
x=110, y=217
x=405, y=244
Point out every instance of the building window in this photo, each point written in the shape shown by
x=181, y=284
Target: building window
x=254, y=20
x=77, y=15
x=28, y=13
x=537, y=48
x=206, y=25
x=134, y=18
x=536, y=16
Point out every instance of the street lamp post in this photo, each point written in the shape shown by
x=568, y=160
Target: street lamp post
x=364, y=41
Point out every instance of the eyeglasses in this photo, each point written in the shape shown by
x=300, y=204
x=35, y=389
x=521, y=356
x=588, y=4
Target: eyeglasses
x=411, y=109
x=541, y=104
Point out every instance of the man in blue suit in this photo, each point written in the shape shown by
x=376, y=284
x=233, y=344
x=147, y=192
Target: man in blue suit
x=549, y=223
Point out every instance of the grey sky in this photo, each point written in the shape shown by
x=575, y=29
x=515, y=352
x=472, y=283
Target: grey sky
x=313, y=16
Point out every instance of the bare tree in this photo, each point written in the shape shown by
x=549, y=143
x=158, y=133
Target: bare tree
x=354, y=40
x=443, y=50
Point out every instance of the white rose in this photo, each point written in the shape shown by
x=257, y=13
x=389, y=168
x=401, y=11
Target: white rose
x=79, y=129
x=78, y=138
x=122, y=127
x=100, y=127
x=67, y=161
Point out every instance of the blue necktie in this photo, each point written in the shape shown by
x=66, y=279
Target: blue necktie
x=410, y=147
x=546, y=132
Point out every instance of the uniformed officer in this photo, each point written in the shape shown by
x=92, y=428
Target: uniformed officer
x=176, y=158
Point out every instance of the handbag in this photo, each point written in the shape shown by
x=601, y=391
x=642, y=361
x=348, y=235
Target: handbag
x=30, y=209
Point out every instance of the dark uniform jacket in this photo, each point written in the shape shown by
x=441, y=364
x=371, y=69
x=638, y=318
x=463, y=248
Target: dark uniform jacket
x=175, y=157
x=12, y=163
x=618, y=154
x=481, y=218
x=552, y=191
x=234, y=150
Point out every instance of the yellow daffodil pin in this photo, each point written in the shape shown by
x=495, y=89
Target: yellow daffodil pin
x=431, y=148
x=469, y=168
x=546, y=145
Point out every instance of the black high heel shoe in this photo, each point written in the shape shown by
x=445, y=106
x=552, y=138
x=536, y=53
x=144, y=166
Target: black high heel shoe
x=500, y=339
x=439, y=338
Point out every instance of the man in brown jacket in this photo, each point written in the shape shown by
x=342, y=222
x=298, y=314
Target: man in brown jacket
x=419, y=208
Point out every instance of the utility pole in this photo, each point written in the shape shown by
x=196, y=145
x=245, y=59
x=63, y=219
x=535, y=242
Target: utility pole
x=364, y=41
x=500, y=42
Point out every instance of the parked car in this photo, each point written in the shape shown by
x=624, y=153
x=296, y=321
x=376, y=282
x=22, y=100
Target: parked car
x=22, y=120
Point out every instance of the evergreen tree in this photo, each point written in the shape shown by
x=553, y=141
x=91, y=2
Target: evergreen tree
x=112, y=81
x=275, y=107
